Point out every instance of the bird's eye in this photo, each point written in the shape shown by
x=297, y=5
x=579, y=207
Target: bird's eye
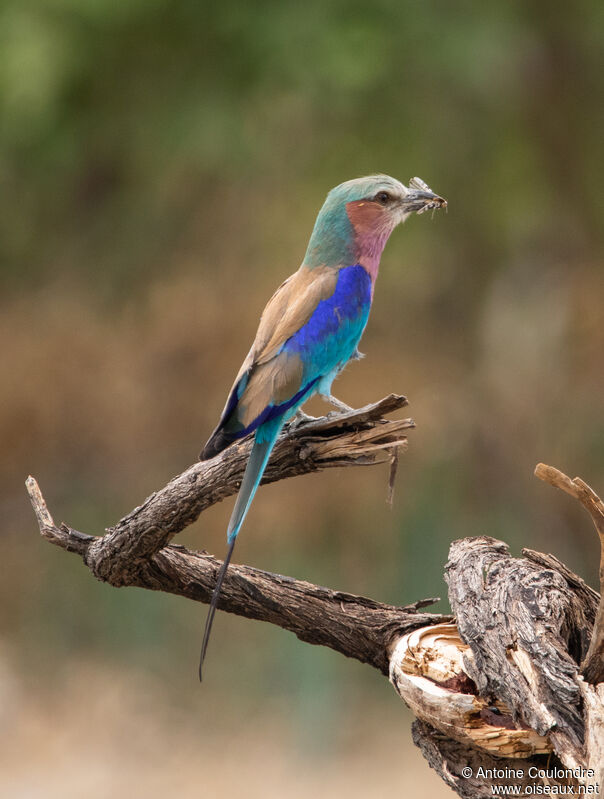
x=383, y=197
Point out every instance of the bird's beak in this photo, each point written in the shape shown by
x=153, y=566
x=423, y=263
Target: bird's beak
x=421, y=198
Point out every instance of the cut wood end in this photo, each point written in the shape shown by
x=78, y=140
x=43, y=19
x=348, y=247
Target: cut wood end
x=553, y=476
x=426, y=669
x=38, y=503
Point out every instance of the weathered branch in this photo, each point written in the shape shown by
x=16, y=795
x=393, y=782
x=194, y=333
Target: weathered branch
x=523, y=624
x=592, y=667
x=358, y=438
x=468, y=771
x=501, y=692
x=353, y=625
x=136, y=550
x=500, y=687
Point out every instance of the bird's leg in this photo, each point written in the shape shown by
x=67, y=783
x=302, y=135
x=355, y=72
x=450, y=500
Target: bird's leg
x=341, y=406
x=300, y=418
x=303, y=417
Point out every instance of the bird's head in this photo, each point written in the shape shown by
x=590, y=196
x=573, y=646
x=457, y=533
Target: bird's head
x=358, y=217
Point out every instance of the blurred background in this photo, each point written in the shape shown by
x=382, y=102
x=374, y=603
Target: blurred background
x=161, y=164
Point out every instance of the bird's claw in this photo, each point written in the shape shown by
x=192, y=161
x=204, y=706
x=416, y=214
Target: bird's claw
x=342, y=407
x=300, y=419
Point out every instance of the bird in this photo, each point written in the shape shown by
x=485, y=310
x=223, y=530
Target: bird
x=310, y=329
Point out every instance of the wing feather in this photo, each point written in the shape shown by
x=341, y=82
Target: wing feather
x=267, y=374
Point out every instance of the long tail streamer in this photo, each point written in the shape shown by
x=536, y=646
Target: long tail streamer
x=251, y=480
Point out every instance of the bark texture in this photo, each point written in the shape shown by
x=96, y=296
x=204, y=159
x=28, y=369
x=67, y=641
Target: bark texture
x=136, y=551
x=513, y=683
x=524, y=626
x=358, y=438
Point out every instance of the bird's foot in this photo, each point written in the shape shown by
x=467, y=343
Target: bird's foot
x=300, y=418
x=341, y=406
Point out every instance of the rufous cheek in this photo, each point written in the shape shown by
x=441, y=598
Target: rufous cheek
x=366, y=216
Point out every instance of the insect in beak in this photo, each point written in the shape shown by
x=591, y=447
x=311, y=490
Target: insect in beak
x=421, y=198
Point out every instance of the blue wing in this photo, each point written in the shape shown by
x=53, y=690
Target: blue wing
x=275, y=380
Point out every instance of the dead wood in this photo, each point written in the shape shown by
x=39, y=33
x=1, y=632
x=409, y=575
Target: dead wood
x=136, y=551
x=501, y=688
x=592, y=667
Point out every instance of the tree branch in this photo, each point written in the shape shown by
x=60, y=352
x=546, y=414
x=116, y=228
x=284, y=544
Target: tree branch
x=357, y=438
x=592, y=667
x=136, y=550
x=352, y=625
x=500, y=686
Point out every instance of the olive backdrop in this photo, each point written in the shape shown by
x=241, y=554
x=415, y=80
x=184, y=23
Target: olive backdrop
x=161, y=165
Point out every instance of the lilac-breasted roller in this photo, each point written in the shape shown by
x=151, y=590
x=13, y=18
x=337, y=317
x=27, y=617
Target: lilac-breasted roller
x=310, y=328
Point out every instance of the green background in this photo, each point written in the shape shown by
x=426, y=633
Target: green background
x=161, y=166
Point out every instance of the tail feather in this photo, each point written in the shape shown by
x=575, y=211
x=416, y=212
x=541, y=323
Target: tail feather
x=251, y=480
x=215, y=444
x=261, y=450
x=213, y=604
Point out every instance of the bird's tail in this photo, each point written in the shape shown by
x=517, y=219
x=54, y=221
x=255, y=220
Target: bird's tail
x=264, y=442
